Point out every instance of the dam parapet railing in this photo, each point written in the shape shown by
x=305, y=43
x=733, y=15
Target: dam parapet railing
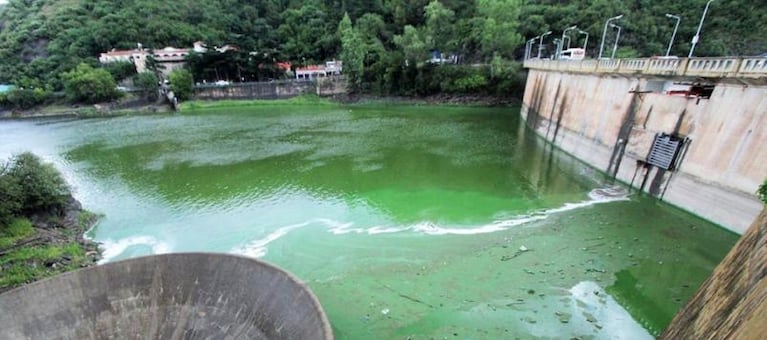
x=727, y=67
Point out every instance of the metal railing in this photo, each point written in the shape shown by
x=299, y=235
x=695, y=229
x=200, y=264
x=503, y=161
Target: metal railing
x=729, y=67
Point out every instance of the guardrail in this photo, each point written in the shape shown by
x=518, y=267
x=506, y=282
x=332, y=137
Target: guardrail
x=731, y=67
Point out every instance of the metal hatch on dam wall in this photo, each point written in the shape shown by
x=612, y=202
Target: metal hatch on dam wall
x=172, y=296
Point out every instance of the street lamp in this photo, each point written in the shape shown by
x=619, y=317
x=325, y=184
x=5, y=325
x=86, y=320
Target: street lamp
x=602, y=46
x=540, y=43
x=618, y=37
x=529, y=47
x=673, y=35
x=564, y=33
x=696, y=38
x=585, y=42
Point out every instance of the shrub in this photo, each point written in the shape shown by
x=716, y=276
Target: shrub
x=89, y=85
x=25, y=98
x=147, y=83
x=181, y=83
x=120, y=70
x=31, y=185
x=762, y=192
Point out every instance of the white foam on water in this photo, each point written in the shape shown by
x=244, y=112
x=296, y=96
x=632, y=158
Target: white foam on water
x=258, y=248
x=597, y=196
x=112, y=249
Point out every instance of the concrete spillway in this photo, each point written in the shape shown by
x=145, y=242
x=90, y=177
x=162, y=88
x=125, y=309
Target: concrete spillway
x=174, y=296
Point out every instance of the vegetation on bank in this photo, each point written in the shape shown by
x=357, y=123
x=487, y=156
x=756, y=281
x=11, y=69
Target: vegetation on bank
x=308, y=99
x=41, y=225
x=762, y=192
x=389, y=48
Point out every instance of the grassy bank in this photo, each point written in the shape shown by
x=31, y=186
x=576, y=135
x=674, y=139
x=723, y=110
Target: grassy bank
x=29, y=253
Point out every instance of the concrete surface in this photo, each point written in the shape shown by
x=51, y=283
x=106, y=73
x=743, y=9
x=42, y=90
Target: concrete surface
x=609, y=121
x=732, y=303
x=173, y=296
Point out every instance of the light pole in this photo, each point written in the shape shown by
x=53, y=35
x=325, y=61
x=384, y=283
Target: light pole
x=558, y=44
x=529, y=47
x=602, y=46
x=673, y=35
x=696, y=38
x=540, y=43
x=585, y=42
x=618, y=37
x=564, y=34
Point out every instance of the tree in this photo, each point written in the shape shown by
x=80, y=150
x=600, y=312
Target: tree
x=352, y=53
x=498, y=30
x=411, y=44
x=121, y=70
x=147, y=82
x=440, y=21
x=89, y=85
x=181, y=83
x=27, y=185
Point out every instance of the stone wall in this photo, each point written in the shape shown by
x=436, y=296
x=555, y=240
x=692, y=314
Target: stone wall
x=271, y=90
x=609, y=121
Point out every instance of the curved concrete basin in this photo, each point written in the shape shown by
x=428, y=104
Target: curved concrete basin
x=173, y=296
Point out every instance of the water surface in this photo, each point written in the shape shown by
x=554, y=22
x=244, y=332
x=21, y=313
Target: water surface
x=406, y=221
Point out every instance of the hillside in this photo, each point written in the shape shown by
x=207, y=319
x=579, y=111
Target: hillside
x=40, y=39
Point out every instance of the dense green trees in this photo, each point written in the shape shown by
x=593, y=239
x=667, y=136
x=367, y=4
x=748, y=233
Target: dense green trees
x=27, y=185
x=89, y=85
x=43, y=39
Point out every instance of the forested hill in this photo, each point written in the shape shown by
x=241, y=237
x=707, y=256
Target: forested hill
x=40, y=39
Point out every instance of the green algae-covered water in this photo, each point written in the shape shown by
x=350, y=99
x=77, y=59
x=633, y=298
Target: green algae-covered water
x=407, y=222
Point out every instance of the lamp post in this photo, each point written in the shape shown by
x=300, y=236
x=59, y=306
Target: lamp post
x=696, y=38
x=529, y=47
x=564, y=34
x=618, y=37
x=585, y=42
x=602, y=46
x=673, y=35
x=540, y=43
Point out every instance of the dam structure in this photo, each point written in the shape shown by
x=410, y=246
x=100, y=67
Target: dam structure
x=689, y=131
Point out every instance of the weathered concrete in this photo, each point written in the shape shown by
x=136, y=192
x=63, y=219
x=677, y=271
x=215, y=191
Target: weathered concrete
x=174, y=296
x=609, y=121
x=732, y=303
x=272, y=90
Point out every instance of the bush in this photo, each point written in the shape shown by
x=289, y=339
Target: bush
x=181, y=83
x=21, y=98
x=27, y=185
x=121, y=70
x=89, y=85
x=147, y=83
x=762, y=192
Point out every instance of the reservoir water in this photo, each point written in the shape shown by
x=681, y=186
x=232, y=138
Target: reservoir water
x=406, y=221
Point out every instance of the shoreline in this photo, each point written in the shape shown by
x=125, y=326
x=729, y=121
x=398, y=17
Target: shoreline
x=104, y=110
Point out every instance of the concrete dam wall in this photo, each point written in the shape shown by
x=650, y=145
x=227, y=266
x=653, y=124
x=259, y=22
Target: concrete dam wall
x=610, y=121
x=174, y=296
